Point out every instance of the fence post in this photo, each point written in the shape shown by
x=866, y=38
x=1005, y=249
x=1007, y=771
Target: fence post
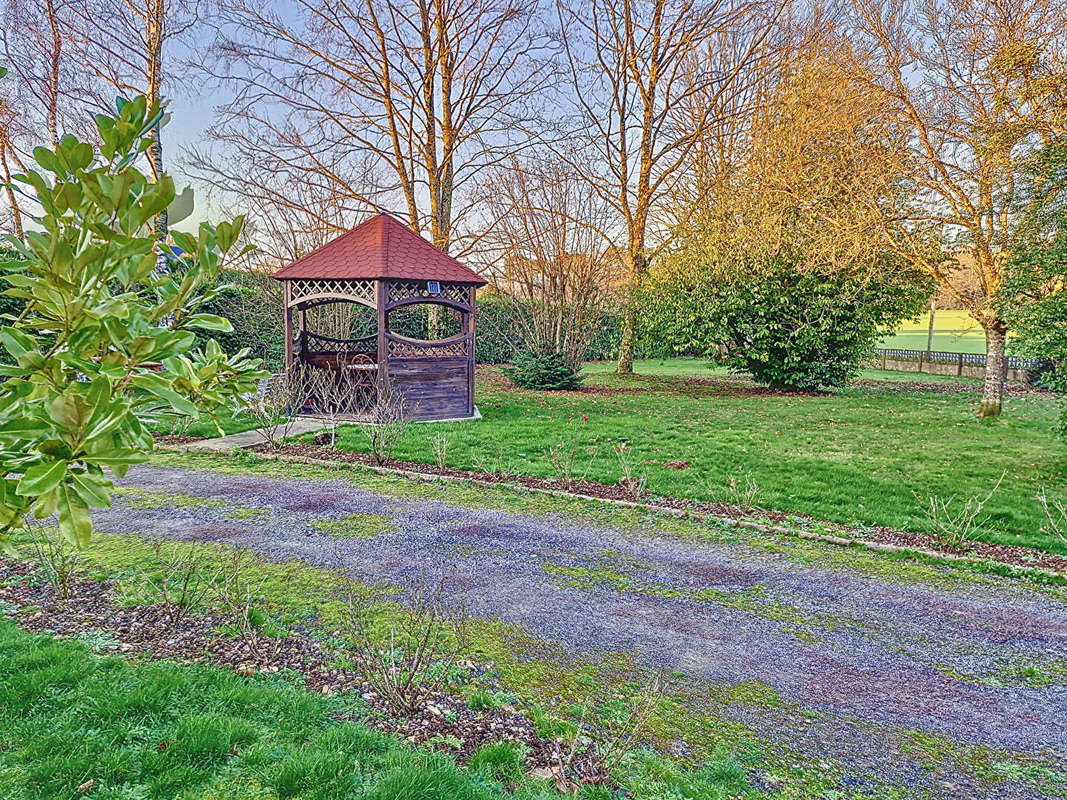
x=885, y=353
x=920, y=361
x=959, y=364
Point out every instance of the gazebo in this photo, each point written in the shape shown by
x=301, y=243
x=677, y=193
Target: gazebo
x=359, y=307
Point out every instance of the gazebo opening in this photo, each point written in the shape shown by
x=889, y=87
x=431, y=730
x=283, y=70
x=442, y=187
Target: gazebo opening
x=381, y=307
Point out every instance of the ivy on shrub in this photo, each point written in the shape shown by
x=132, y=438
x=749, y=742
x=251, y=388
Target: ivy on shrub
x=546, y=371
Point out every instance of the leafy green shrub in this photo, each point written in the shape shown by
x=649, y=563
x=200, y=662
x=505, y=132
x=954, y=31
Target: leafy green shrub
x=543, y=372
x=1033, y=299
x=104, y=347
x=787, y=326
x=496, y=341
x=500, y=761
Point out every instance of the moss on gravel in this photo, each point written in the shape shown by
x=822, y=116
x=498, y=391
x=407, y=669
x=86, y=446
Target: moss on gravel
x=141, y=499
x=355, y=526
x=548, y=679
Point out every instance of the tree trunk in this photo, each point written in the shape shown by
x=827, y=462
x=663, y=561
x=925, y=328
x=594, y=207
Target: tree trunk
x=155, y=158
x=16, y=212
x=629, y=319
x=996, y=370
x=626, y=342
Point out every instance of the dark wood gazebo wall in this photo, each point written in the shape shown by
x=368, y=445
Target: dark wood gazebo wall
x=436, y=378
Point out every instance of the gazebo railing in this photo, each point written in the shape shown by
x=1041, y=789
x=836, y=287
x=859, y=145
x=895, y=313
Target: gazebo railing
x=316, y=342
x=402, y=347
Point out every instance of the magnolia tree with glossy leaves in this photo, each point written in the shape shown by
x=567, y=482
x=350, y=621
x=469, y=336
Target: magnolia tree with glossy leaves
x=105, y=344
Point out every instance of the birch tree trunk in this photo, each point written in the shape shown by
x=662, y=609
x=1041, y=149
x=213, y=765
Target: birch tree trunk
x=996, y=369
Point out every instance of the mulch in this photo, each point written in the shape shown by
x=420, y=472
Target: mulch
x=1011, y=555
x=170, y=438
x=147, y=630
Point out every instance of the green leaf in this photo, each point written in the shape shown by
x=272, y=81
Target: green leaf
x=210, y=322
x=75, y=522
x=95, y=490
x=24, y=428
x=40, y=478
x=47, y=159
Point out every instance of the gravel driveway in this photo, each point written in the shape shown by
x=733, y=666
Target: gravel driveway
x=863, y=667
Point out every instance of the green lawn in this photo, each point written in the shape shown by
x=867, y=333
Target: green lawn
x=135, y=730
x=204, y=429
x=867, y=455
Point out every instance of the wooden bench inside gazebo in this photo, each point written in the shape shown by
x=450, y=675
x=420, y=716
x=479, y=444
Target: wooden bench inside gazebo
x=381, y=304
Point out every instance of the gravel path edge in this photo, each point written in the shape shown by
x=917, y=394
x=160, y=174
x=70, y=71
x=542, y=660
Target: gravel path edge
x=690, y=514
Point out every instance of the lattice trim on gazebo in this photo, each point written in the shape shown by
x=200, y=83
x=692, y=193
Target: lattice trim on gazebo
x=360, y=291
x=453, y=349
x=407, y=290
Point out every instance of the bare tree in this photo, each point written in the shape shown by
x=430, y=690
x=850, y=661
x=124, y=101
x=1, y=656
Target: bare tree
x=125, y=42
x=552, y=262
x=46, y=92
x=632, y=65
x=979, y=87
x=377, y=105
x=48, y=83
x=33, y=35
x=809, y=160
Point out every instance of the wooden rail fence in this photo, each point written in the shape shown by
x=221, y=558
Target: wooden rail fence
x=937, y=362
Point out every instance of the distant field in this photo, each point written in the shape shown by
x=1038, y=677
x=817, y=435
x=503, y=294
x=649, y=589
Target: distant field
x=954, y=332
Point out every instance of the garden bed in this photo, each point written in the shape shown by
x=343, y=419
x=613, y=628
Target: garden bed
x=777, y=521
x=444, y=721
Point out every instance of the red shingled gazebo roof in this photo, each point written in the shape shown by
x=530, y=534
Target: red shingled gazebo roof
x=381, y=247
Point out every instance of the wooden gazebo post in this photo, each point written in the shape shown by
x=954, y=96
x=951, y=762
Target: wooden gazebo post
x=381, y=288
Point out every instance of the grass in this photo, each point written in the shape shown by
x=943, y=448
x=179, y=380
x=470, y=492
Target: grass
x=69, y=719
x=354, y=526
x=144, y=729
x=205, y=429
x=864, y=454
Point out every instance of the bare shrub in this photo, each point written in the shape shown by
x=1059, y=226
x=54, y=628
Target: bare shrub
x=58, y=558
x=562, y=457
x=238, y=595
x=274, y=407
x=629, y=480
x=399, y=662
x=611, y=727
x=387, y=422
x=1056, y=514
x=739, y=492
x=955, y=524
x=179, y=584
x=439, y=443
x=498, y=463
x=332, y=392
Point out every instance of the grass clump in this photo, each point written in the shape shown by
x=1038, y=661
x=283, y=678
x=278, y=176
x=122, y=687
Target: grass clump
x=500, y=761
x=141, y=730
